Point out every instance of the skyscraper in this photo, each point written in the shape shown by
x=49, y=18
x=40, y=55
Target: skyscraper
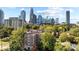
x=57, y=21
x=13, y=22
x=33, y=17
x=52, y=21
x=23, y=15
x=68, y=17
x=39, y=20
x=1, y=16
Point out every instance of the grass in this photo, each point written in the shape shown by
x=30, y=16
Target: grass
x=5, y=45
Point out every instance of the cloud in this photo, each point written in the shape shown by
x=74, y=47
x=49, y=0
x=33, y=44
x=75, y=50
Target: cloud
x=55, y=11
x=69, y=9
x=52, y=12
x=6, y=17
x=22, y=9
x=74, y=17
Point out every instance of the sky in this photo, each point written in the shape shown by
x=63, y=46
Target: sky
x=55, y=12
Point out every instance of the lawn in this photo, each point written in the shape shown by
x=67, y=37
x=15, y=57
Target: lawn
x=4, y=45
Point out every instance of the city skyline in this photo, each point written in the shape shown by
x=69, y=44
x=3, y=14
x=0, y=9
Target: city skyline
x=55, y=12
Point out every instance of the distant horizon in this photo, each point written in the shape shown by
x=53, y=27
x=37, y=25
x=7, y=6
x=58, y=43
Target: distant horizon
x=55, y=12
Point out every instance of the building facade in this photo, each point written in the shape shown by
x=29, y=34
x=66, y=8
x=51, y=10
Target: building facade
x=57, y=21
x=52, y=21
x=14, y=22
x=40, y=20
x=31, y=39
x=23, y=15
x=1, y=16
x=68, y=17
x=33, y=17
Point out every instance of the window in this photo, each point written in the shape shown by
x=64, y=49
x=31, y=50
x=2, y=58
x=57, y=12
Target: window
x=28, y=48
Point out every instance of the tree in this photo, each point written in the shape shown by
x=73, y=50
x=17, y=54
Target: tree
x=62, y=46
x=58, y=46
x=74, y=31
x=49, y=28
x=55, y=28
x=5, y=32
x=35, y=27
x=66, y=46
x=77, y=39
x=48, y=41
x=16, y=39
x=63, y=37
x=71, y=38
x=28, y=26
x=77, y=47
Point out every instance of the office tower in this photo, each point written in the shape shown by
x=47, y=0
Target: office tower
x=52, y=21
x=31, y=16
x=68, y=17
x=57, y=21
x=23, y=15
x=34, y=19
x=6, y=22
x=13, y=22
x=1, y=16
x=39, y=20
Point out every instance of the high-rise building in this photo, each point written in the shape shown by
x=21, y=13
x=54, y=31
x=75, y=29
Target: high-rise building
x=23, y=15
x=39, y=20
x=57, y=21
x=14, y=22
x=33, y=17
x=68, y=17
x=52, y=21
x=6, y=23
x=1, y=16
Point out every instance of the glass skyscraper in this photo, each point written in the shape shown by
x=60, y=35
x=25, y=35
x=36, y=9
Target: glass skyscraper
x=39, y=20
x=33, y=17
x=1, y=16
x=68, y=17
x=23, y=15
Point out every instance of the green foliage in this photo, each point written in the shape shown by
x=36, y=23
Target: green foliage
x=66, y=46
x=16, y=39
x=5, y=32
x=54, y=37
x=77, y=39
x=49, y=29
x=48, y=41
x=63, y=37
x=35, y=27
x=62, y=46
x=77, y=47
x=58, y=46
x=55, y=28
x=71, y=38
x=28, y=26
x=74, y=31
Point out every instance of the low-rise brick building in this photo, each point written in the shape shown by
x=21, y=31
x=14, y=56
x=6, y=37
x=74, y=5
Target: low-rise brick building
x=31, y=39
